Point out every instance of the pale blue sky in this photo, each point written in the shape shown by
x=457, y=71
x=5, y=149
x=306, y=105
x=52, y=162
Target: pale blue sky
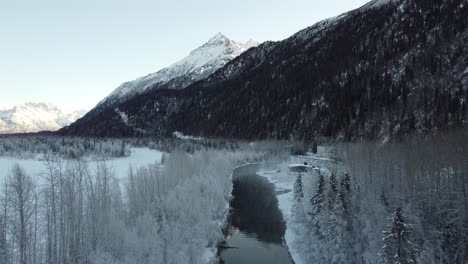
x=75, y=52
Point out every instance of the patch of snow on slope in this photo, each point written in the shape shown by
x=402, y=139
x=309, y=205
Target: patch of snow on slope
x=123, y=116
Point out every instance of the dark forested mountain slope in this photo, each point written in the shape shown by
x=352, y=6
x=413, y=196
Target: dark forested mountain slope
x=386, y=69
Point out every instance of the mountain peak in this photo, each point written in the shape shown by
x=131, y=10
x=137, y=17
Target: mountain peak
x=199, y=64
x=218, y=37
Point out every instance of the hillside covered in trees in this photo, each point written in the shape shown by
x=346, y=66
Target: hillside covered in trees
x=386, y=69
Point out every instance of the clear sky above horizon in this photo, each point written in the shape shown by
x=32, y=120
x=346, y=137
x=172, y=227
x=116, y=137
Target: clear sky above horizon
x=74, y=53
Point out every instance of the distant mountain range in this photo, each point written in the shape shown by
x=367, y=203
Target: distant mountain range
x=387, y=69
x=35, y=117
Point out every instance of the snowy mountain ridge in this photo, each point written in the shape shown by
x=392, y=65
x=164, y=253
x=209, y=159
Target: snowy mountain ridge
x=34, y=117
x=199, y=64
x=385, y=70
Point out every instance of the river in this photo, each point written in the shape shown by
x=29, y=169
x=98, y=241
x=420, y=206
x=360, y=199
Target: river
x=255, y=234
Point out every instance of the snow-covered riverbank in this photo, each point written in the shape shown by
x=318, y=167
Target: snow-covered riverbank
x=284, y=180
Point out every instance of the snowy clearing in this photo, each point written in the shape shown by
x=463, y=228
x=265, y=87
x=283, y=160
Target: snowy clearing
x=35, y=166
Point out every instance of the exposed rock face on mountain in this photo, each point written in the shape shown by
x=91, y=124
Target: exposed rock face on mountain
x=34, y=117
x=387, y=69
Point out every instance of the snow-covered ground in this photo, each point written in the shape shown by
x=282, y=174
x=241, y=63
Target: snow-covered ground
x=180, y=135
x=283, y=179
x=138, y=157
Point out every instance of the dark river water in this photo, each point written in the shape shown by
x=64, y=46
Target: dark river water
x=256, y=226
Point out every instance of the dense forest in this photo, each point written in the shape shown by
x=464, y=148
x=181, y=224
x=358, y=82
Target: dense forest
x=32, y=146
x=400, y=202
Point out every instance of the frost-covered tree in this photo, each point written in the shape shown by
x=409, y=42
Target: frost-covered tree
x=338, y=230
x=332, y=191
x=397, y=248
x=333, y=228
x=344, y=203
x=450, y=236
x=21, y=200
x=317, y=203
x=3, y=240
x=298, y=188
x=384, y=200
x=314, y=147
x=447, y=216
x=4, y=229
x=52, y=190
x=78, y=214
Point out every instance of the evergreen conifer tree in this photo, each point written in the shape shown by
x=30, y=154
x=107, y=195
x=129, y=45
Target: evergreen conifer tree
x=298, y=189
x=332, y=192
x=397, y=248
x=345, y=202
x=317, y=202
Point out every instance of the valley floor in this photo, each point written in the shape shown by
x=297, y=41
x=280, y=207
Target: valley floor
x=171, y=208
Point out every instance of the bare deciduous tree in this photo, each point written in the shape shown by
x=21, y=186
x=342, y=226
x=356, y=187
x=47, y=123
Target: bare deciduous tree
x=21, y=198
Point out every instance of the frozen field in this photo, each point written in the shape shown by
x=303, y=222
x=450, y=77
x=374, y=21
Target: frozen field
x=138, y=157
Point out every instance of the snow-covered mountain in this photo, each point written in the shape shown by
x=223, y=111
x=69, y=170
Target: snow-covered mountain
x=199, y=64
x=387, y=69
x=34, y=117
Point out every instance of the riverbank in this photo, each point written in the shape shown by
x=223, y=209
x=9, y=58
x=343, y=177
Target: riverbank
x=255, y=228
x=283, y=180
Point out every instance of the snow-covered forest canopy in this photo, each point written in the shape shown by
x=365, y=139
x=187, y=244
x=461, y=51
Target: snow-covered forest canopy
x=171, y=211
x=398, y=202
x=364, y=202
x=26, y=146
